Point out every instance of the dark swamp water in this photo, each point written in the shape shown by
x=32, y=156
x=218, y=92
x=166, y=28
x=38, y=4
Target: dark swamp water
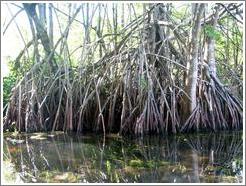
x=67, y=158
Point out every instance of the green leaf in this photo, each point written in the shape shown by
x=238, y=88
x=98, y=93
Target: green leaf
x=108, y=165
x=212, y=32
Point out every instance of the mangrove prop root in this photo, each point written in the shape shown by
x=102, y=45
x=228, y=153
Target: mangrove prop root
x=135, y=88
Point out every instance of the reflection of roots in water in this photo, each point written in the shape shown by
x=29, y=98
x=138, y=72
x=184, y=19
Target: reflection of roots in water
x=221, y=150
x=154, y=157
x=222, y=147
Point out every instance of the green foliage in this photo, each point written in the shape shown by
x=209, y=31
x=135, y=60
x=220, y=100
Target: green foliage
x=17, y=71
x=136, y=163
x=8, y=84
x=108, y=165
x=210, y=31
x=180, y=13
x=150, y=164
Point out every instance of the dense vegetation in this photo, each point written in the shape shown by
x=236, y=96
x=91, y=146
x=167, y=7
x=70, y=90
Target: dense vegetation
x=135, y=68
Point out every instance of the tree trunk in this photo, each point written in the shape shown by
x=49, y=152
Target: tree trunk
x=115, y=16
x=51, y=26
x=189, y=103
x=122, y=15
x=41, y=31
x=42, y=13
x=211, y=46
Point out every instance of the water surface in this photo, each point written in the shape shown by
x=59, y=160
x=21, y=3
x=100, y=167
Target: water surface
x=61, y=157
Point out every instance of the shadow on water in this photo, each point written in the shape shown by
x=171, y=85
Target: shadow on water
x=182, y=158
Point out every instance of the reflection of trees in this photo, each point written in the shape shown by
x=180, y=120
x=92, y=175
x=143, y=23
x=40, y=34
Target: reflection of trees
x=158, y=159
x=156, y=147
x=159, y=153
x=221, y=149
x=47, y=155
